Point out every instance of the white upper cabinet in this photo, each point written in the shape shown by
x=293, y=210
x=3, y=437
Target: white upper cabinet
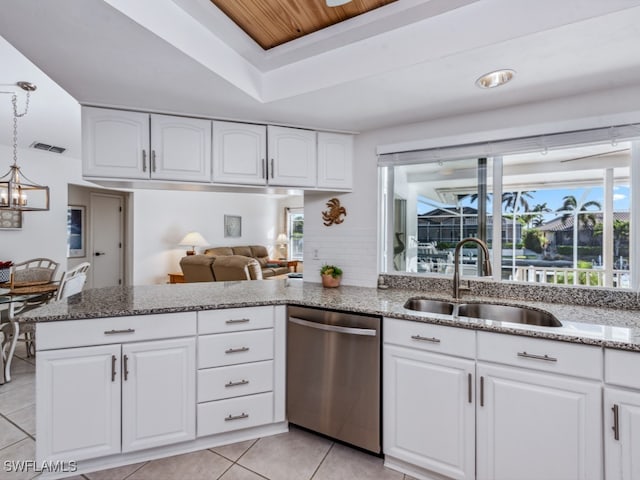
x=180, y=148
x=115, y=143
x=292, y=157
x=335, y=160
x=239, y=153
x=132, y=145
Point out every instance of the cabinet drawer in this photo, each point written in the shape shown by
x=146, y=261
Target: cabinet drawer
x=538, y=354
x=235, y=380
x=429, y=337
x=102, y=331
x=235, y=319
x=234, y=414
x=233, y=348
x=621, y=368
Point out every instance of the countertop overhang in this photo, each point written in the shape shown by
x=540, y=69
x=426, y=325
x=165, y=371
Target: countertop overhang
x=608, y=327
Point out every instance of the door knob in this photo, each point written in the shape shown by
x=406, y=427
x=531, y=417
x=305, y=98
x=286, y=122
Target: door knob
x=97, y=254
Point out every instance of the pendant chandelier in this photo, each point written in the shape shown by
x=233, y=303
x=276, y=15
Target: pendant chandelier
x=17, y=192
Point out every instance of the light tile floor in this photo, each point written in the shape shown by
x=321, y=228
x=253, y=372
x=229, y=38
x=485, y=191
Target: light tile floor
x=296, y=455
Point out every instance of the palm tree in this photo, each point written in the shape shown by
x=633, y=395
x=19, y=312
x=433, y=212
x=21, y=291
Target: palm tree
x=570, y=209
x=511, y=200
x=535, y=217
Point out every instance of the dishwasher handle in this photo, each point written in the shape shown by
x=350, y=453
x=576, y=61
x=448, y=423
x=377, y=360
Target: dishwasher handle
x=369, y=332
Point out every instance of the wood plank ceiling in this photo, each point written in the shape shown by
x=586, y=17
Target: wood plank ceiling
x=274, y=22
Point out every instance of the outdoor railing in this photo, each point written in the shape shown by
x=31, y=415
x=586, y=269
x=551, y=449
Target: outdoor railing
x=571, y=276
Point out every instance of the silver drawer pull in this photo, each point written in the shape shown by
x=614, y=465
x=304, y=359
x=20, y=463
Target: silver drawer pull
x=236, y=350
x=544, y=357
x=235, y=384
x=426, y=339
x=236, y=417
x=238, y=320
x=114, y=332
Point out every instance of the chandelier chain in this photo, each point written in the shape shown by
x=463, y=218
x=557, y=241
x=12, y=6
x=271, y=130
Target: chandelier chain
x=16, y=115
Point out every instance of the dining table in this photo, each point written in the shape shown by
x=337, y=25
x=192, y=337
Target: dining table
x=14, y=296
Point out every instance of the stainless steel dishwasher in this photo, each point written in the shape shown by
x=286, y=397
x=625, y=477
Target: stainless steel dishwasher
x=333, y=375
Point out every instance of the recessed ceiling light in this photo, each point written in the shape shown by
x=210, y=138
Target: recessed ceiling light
x=336, y=3
x=495, y=79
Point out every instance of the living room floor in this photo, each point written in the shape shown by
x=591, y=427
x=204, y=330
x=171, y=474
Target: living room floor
x=296, y=455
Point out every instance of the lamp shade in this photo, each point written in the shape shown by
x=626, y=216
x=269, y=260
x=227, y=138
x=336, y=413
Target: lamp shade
x=194, y=239
x=282, y=239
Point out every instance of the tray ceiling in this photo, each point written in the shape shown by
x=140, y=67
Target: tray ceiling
x=274, y=22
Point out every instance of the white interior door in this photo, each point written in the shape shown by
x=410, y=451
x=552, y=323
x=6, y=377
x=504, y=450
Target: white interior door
x=106, y=240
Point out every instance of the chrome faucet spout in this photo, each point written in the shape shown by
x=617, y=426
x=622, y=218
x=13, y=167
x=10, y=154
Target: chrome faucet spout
x=486, y=264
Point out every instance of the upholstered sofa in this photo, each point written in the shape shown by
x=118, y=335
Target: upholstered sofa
x=260, y=253
x=222, y=264
x=207, y=268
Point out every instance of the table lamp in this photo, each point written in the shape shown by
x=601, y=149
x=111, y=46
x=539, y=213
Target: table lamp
x=193, y=240
x=281, y=241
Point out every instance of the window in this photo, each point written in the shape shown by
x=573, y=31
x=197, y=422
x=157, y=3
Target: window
x=564, y=213
x=295, y=229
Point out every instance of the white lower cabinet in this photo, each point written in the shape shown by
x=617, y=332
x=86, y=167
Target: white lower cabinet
x=428, y=398
x=100, y=400
x=78, y=403
x=158, y=393
x=534, y=425
x=622, y=415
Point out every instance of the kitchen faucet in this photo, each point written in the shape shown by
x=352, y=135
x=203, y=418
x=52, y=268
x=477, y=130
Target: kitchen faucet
x=456, y=262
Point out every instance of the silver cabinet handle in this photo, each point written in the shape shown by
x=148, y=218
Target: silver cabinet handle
x=144, y=160
x=469, y=386
x=334, y=328
x=238, y=320
x=153, y=160
x=236, y=350
x=264, y=166
x=113, y=368
x=272, y=168
x=616, y=423
x=426, y=339
x=235, y=384
x=125, y=367
x=114, y=332
x=482, y=391
x=544, y=357
x=236, y=417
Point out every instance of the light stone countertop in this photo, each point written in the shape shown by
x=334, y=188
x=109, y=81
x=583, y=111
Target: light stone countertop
x=609, y=327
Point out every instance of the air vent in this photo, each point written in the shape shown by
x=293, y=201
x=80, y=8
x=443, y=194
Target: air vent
x=48, y=148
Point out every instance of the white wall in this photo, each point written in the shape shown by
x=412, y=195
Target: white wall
x=353, y=245
x=162, y=218
x=43, y=234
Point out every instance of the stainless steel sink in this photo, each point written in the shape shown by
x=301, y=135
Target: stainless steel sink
x=507, y=313
x=430, y=306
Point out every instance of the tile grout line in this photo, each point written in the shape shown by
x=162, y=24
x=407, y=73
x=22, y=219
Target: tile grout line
x=245, y=467
x=125, y=478
x=32, y=437
x=322, y=461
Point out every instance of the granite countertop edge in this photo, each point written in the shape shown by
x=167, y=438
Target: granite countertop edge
x=385, y=303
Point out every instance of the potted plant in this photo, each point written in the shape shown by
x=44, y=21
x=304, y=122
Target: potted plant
x=331, y=276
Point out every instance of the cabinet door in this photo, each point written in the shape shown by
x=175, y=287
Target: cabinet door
x=180, y=148
x=429, y=413
x=335, y=160
x=292, y=157
x=158, y=393
x=621, y=453
x=239, y=153
x=536, y=425
x=115, y=144
x=78, y=403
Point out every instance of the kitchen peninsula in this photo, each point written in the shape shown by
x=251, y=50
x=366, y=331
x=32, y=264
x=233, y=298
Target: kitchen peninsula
x=126, y=335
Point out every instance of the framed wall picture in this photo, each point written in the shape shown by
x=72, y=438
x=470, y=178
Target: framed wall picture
x=232, y=226
x=76, y=231
x=10, y=219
